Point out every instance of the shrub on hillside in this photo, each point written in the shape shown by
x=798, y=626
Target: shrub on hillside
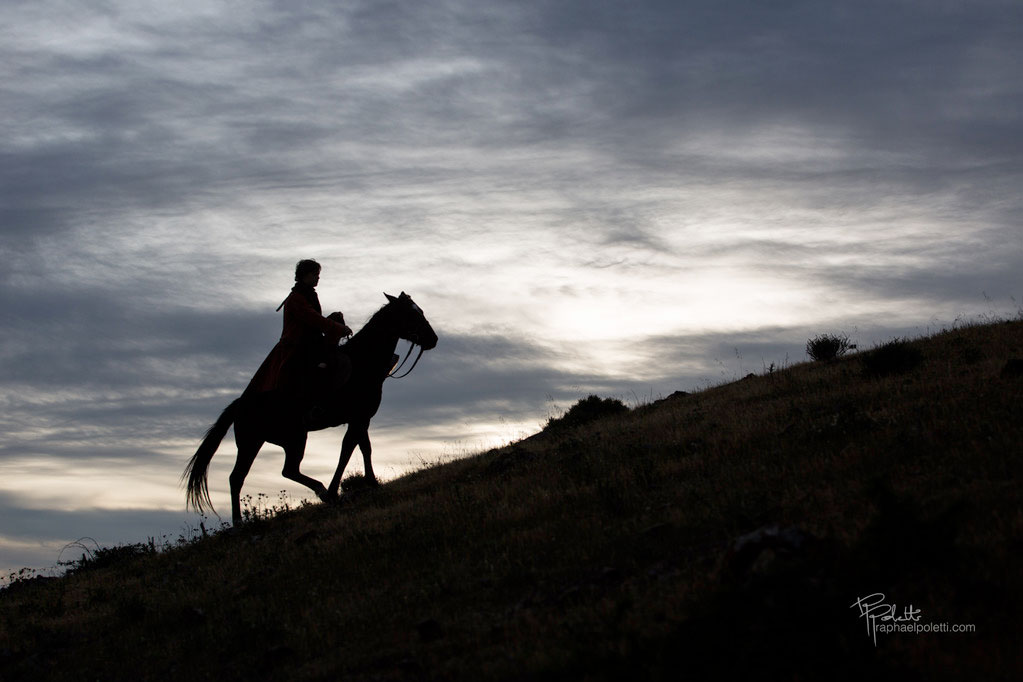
x=587, y=410
x=828, y=346
x=894, y=357
x=108, y=556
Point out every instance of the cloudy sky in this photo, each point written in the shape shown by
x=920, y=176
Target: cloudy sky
x=622, y=198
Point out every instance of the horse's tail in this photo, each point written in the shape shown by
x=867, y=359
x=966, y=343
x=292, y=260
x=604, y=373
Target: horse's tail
x=197, y=492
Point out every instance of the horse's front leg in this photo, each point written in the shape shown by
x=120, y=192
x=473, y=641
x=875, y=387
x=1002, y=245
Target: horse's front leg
x=352, y=438
x=293, y=454
x=367, y=454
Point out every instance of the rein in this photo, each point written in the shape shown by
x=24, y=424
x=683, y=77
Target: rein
x=395, y=370
x=392, y=374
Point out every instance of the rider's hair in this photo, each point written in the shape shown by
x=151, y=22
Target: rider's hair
x=304, y=267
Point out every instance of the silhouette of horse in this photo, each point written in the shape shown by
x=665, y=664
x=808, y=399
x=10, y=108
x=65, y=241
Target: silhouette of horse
x=271, y=417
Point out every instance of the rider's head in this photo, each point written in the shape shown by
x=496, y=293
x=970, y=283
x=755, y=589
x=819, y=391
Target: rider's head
x=307, y=272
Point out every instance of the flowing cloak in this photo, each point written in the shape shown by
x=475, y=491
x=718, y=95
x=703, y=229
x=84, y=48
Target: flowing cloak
x=303, y=341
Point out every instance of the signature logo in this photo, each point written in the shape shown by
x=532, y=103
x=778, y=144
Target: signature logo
x=876, y=611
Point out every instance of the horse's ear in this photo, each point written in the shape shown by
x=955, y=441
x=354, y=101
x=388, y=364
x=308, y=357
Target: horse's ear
x=404, y=295
x=390, y=298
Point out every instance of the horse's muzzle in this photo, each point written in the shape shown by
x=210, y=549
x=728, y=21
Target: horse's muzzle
x=429, y=342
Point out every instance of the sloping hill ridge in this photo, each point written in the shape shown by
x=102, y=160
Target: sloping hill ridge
x=724, y=533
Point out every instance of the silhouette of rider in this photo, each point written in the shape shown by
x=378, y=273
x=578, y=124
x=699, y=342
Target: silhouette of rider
x=305, y=364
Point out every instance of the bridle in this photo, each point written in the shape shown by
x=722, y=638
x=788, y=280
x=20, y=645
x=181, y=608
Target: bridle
x=413, y=340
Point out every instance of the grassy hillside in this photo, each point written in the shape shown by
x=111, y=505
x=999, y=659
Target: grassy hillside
x=707, y=535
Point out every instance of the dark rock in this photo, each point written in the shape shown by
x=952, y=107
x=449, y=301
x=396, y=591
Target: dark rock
x=132, y=609
x=895, y=357
x=306, y=537
x=429, y=630
x=658, y=530
x=511, y=458
x=410, y=666
x=571, y=594
x=279, y=655
x=611, y=575
x=662, y=570
x=1013, y=369
x=755, y=551
x=193, y=615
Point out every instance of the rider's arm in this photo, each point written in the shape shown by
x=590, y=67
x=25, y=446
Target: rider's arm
x=306, y=315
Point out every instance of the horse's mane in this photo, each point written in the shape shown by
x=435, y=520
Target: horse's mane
x=374, y=321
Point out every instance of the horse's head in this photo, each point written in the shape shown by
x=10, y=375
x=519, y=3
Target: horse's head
x=412, y=323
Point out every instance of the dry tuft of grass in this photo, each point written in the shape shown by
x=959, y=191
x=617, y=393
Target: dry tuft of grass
x=828, y=347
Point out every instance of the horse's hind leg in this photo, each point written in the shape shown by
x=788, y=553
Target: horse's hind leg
x=367, y=458
x=248, y=448
x=293, y=454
